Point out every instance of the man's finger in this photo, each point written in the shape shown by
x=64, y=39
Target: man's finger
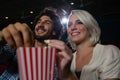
x=8, y=37
x=26, y=33
x=16, y=35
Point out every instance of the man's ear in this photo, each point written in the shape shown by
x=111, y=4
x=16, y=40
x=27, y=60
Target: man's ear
x=53, y=33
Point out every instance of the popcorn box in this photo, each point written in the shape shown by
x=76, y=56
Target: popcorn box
x=36, y=63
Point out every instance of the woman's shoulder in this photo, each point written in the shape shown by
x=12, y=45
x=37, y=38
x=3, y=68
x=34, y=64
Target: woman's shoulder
x=108, y=47
x=107, y=54
x=109, y=50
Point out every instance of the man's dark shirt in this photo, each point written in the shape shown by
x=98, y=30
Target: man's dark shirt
x=8, y=63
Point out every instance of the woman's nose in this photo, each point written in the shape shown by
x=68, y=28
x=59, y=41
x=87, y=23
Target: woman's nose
x=73, y=26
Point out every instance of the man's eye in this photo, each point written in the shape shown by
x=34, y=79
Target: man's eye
x=47, y=22
x=38, y=22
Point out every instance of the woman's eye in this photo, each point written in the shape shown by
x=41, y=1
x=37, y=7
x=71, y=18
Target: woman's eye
x=69, y=24
x=79, y=22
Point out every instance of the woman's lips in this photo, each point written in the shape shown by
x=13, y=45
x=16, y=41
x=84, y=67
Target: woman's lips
x=75, y=33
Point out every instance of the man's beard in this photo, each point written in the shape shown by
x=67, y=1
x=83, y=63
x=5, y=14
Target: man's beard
x=42, y=38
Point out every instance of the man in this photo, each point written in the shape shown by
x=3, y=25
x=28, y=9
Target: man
x=47, y=26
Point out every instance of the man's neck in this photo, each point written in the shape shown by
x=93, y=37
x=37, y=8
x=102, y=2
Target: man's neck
x=39, y=44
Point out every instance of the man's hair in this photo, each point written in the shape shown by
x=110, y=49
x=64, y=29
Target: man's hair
x=51, y=12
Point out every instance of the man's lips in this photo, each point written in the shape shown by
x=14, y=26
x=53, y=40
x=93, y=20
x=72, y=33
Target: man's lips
x=40, y=31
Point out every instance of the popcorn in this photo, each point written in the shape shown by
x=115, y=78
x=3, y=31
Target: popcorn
x=47, y=41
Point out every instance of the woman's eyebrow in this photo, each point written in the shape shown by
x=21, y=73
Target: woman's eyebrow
x=78, y=20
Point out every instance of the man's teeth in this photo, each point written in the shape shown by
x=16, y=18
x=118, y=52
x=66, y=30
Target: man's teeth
x=40, y=30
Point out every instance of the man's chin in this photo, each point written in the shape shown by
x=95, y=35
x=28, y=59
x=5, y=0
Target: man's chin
x=40, y=38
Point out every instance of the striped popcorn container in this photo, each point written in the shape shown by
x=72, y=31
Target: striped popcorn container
x=36, y=63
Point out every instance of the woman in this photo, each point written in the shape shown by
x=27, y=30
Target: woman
x=92, y=60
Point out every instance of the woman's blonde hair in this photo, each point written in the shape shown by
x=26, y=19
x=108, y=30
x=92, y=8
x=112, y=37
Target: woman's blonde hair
x=90, y=22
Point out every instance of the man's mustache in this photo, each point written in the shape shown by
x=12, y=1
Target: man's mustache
x=42, y=28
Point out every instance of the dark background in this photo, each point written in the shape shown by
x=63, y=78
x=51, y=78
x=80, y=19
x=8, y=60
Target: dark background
x=107, y=13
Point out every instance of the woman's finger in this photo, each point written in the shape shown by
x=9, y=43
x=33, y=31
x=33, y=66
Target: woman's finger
x=57, y=44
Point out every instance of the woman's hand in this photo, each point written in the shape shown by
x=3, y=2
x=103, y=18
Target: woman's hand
x=64, y=59
x=64, y=53
x=18, y=34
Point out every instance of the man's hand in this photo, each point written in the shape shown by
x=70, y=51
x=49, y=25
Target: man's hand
x=18, y=34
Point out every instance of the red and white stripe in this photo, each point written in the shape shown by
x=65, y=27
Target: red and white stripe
x=36, y=63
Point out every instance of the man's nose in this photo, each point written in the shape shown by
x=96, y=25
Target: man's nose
x=41, y=24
